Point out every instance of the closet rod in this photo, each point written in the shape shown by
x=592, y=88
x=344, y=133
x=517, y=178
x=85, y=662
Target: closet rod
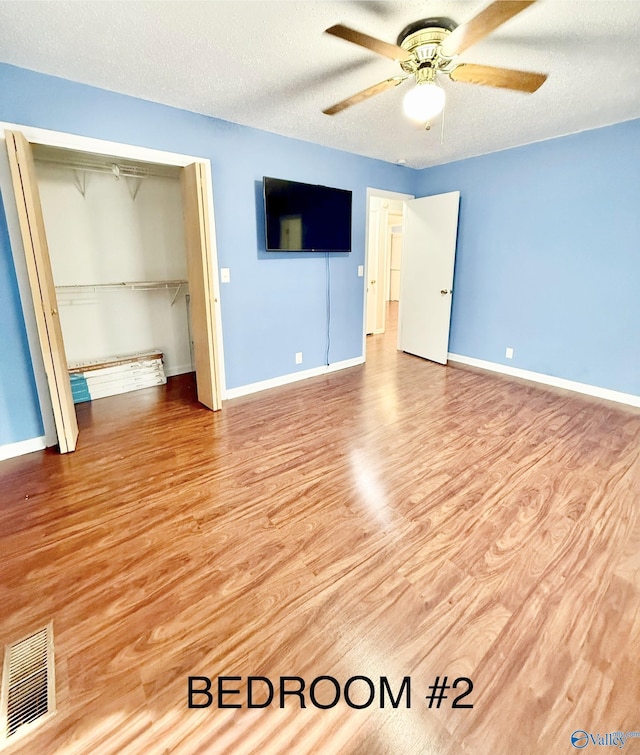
x=124, y=170
x=67, y=292
x=134, y=285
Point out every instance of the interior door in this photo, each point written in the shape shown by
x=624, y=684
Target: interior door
x=43, y=292
x=195, y=201
x=430, y=234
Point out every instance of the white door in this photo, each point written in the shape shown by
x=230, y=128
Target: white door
x=428, y=255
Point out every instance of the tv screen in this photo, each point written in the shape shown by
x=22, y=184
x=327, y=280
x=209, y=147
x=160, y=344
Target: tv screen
x=302, y=217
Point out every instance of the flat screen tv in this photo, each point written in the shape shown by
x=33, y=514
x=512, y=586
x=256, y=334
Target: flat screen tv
x=303, y=217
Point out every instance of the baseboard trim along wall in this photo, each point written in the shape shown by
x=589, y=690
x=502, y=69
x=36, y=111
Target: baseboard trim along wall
x=180, y=369
x=538, y=377
x=9, y=450
x=293, y=377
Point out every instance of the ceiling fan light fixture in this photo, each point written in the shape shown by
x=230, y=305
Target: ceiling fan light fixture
x=428, y=48
x=424, y=102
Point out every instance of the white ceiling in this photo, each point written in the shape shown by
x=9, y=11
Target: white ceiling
x=268, y=65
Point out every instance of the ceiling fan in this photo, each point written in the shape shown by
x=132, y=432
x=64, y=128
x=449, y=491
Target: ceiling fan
x=429, y=47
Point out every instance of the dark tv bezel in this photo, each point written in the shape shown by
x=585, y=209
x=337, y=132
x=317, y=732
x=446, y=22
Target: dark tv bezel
x=305, y=251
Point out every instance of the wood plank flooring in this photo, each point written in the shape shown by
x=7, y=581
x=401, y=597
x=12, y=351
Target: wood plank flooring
x=399, y=519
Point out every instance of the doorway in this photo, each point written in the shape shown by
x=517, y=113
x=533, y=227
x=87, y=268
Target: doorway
x=28, y=236
x=424, y=269
x=385, y=218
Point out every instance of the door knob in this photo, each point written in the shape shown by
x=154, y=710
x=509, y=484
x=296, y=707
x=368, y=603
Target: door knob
x=372, y=283
x=444, y=291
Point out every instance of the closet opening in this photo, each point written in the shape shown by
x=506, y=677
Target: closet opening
x=121, y=272
x=117, y=247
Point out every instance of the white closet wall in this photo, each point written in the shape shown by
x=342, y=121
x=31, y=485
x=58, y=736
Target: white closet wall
x=121, y=230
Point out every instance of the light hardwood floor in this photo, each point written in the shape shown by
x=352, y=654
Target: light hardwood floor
x=399, y=519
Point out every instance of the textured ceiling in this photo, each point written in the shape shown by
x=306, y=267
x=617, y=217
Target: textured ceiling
x=269, y=65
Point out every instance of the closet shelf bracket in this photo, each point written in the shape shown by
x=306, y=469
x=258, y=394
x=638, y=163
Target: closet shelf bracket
x=80, y=181
x=133, y=184
x=177, y=292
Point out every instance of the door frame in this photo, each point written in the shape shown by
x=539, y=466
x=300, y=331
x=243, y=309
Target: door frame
x=380, y=194
x=119, y=151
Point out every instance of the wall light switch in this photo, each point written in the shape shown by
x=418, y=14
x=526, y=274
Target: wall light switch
x=509, y=353
x=360, y=271
x=225, y=277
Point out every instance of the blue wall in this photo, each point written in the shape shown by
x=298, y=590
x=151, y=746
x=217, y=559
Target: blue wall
x=548, y=256
x=275, y=304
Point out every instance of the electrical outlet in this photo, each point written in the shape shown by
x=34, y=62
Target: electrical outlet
x=225, y=276
x=509, y=353
x=298, y=357
x=360, y=271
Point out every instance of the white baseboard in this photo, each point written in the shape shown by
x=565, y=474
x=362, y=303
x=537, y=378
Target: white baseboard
x=293, y=377
x=538, y=377
x=9, y=450
x=344, y=364
x=179, y=369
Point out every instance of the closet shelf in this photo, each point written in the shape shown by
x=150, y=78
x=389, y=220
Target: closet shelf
x=171, y=285
x=135, y=285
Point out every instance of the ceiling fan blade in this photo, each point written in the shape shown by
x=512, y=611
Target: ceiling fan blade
x=365, y=94
x=506, y=78
x=371, y=43
x=489, y=19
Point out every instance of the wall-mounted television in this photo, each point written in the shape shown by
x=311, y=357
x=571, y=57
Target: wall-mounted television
x=303, y=217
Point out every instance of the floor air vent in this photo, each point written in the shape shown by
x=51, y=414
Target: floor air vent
x=28, y=685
